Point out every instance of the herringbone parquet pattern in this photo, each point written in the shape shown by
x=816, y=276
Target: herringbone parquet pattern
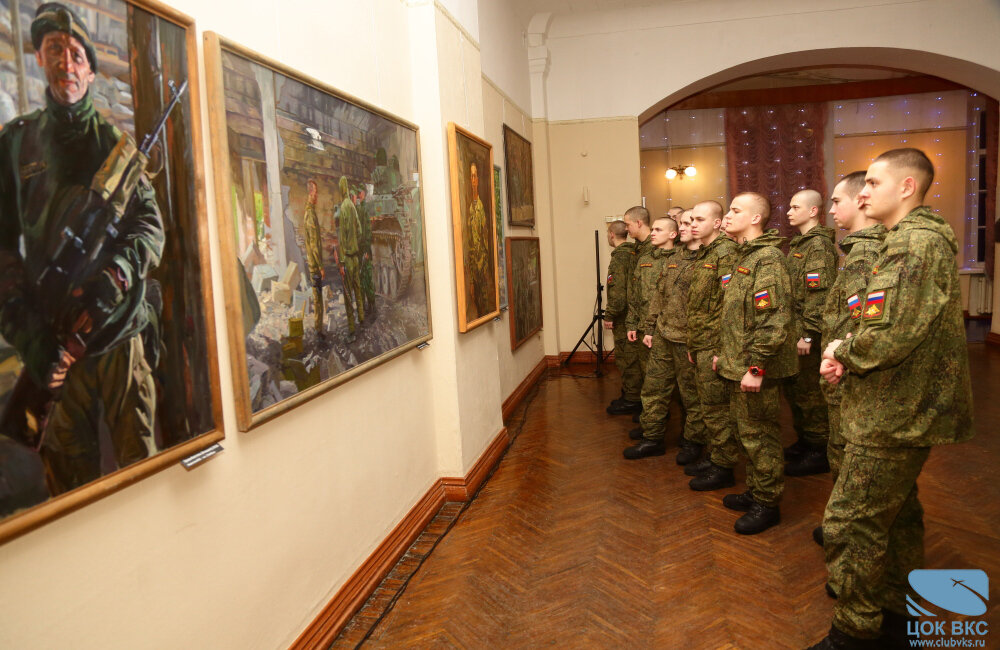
x=569, y=545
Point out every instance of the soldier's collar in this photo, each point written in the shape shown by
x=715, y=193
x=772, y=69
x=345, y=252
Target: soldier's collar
x=79, y=112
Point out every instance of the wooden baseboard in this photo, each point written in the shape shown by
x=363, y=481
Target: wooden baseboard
x=515, y=398
x=993, y=338
x=328, y=623
x=582, y=357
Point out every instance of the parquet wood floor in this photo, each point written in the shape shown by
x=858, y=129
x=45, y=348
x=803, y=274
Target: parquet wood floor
x=570, y=545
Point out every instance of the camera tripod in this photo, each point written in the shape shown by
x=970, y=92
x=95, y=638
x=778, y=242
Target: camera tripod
x=596, y=320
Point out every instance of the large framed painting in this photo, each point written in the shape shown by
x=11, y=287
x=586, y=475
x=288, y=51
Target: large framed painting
x=501, y=257
x=474, y=227
x=520, y=179
x=524, y=279
x=108, y=368
x=322, y=231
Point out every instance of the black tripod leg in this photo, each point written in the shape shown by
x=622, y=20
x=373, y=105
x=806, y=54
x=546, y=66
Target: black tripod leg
x=583, y=337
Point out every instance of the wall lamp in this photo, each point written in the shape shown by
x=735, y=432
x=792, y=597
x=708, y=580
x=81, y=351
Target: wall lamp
x=680, y=170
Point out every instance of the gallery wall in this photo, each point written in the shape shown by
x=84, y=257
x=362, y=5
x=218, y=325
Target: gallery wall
x=599, y=73
x=245, y=550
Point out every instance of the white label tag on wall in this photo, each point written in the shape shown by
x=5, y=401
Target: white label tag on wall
x=200, y=457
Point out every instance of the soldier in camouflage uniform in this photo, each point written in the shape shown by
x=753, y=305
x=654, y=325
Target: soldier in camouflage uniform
x=314, y=253
x=637, y=223
x=713, y=270
x=842, y=312
x=812, y=267
x=348, y=236
x=365, y=245
x=668, y=357
x=45, y=158
x=909, y=390
x=641, y=288
x=619, y=271
x=757, y=350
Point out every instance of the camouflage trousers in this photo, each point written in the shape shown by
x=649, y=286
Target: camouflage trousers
x=352, y=290
x=835, y=447
x=873, y=533
x=713, y=393
x=805, y=397
x=634, y=372
x=621, y=351
x=668, y=365
x=755, y=416
x=112, y=392
x=318, y=305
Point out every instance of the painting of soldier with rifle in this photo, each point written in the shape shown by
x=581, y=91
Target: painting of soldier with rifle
x=89, y=204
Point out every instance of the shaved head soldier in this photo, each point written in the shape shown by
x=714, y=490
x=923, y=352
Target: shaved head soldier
x=842, y=311
x=619, y=271
x=713, y=270
x=812, y=267
x=637, y=224
x=909, y=389
x=757, y=350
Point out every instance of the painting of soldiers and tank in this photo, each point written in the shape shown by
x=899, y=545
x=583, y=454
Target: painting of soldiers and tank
x=107, y=357
x=474, y=228
x=524, y=278
x=321, y=212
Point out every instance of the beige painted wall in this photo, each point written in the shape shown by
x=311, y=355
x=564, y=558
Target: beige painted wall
x=245, y=550
x=601, y=156
x=708, y=184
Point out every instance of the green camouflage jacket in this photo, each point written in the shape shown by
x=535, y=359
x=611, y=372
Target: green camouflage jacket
x=668, y=306
x=46, y=158
x=715, y=264
x=620, y=269
x=812, y=269
x=642, y=248
x=910, y=384
x=757, y=327
x=842, y=312
x=642, y=286
x=314, y=242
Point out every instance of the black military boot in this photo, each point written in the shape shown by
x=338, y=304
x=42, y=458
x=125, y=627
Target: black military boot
x=812, y=461
x=699, y=468
x=635, y=434
x=689, y=452
x=795, y=450
x=894, y=630
x=818, y=535
x=645, y=449
x=624, y=407
x=837, y=640
x=618, y=400
x=758, y=519
x=714, y=478
x=638, y=414
x=738, y=502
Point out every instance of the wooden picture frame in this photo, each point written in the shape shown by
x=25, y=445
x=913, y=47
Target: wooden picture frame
x=501, y=254
x=320, y=283
x=520, y=179
x=140, y=46
x=476, y=278
x=524, y=280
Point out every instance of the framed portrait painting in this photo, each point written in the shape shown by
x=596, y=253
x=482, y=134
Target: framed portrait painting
x=321, y=218
x=520, y=179
x=108, y=364
x=474, y=227
x=524, y=279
